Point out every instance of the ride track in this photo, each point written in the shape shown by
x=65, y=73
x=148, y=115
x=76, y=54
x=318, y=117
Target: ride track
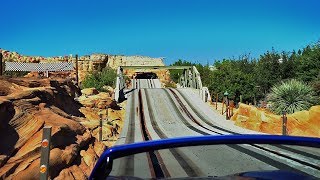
x=144, y=125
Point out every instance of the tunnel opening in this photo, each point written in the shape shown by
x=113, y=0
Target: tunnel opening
x=146, y=75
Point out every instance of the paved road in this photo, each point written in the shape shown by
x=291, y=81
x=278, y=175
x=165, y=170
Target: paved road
x=157, y=113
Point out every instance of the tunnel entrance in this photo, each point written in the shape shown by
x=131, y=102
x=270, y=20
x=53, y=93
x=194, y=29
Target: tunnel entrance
x=146, y=75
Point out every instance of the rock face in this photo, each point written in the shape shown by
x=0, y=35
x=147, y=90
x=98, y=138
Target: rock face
x=94, y=107
x=29, y=104
x=303, y=123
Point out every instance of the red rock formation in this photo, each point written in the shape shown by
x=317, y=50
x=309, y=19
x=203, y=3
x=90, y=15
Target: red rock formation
x=26, y=106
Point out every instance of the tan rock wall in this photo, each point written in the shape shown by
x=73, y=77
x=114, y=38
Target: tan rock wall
x=302, y=123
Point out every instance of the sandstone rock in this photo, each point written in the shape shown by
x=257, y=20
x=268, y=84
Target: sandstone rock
x=65, y=174
x=104, y=103
x=87, y=102
x=89, y=156
x=21, y=131
x=101, y=101
x=102, y=95
x=108, y=88
x=303, y=123
x=99, y=148
x=90, y=113
x=86, y=169
x=58, y=160
x=73, y=172
x=89, y=91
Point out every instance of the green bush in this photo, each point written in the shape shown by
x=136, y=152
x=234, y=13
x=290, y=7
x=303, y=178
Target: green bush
x=291, y=96
x=106, y=77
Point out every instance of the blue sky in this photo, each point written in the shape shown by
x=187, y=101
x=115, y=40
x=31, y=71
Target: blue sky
x=199, y=30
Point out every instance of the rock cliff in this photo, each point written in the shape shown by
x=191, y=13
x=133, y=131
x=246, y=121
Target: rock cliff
x=29, y=104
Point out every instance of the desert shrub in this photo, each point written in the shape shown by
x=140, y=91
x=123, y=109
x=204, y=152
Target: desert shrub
x=292, y=96
x=106, y=77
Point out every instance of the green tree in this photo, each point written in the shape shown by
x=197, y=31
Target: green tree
x=267, y=70
x=309, y=63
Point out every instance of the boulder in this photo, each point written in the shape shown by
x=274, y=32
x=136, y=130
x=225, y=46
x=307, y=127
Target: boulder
x=101, y=101
x=89, y=91
x=108, y=89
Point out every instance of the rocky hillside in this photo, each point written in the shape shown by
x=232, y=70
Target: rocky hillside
x=88, y=63
x=29, y=104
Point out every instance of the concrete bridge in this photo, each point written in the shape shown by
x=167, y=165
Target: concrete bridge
x=190, y=78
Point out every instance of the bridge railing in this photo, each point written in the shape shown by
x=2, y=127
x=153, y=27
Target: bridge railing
x=120, y=85
x=190, y=78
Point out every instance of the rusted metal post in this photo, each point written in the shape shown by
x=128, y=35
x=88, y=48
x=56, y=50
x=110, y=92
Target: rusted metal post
x=100, y=128
x=77, y=72
x=222, y=106
x=231, y=108
x=284, y=123
x=1, y=68
x=45, y=153
x=227, y=108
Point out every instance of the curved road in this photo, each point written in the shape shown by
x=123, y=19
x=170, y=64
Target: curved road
x=157, y=113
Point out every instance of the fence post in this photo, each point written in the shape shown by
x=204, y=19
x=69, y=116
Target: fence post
x=45, y=153
x=100, y=128
x=77, y=72
x=284, y=123
x=1, y=68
